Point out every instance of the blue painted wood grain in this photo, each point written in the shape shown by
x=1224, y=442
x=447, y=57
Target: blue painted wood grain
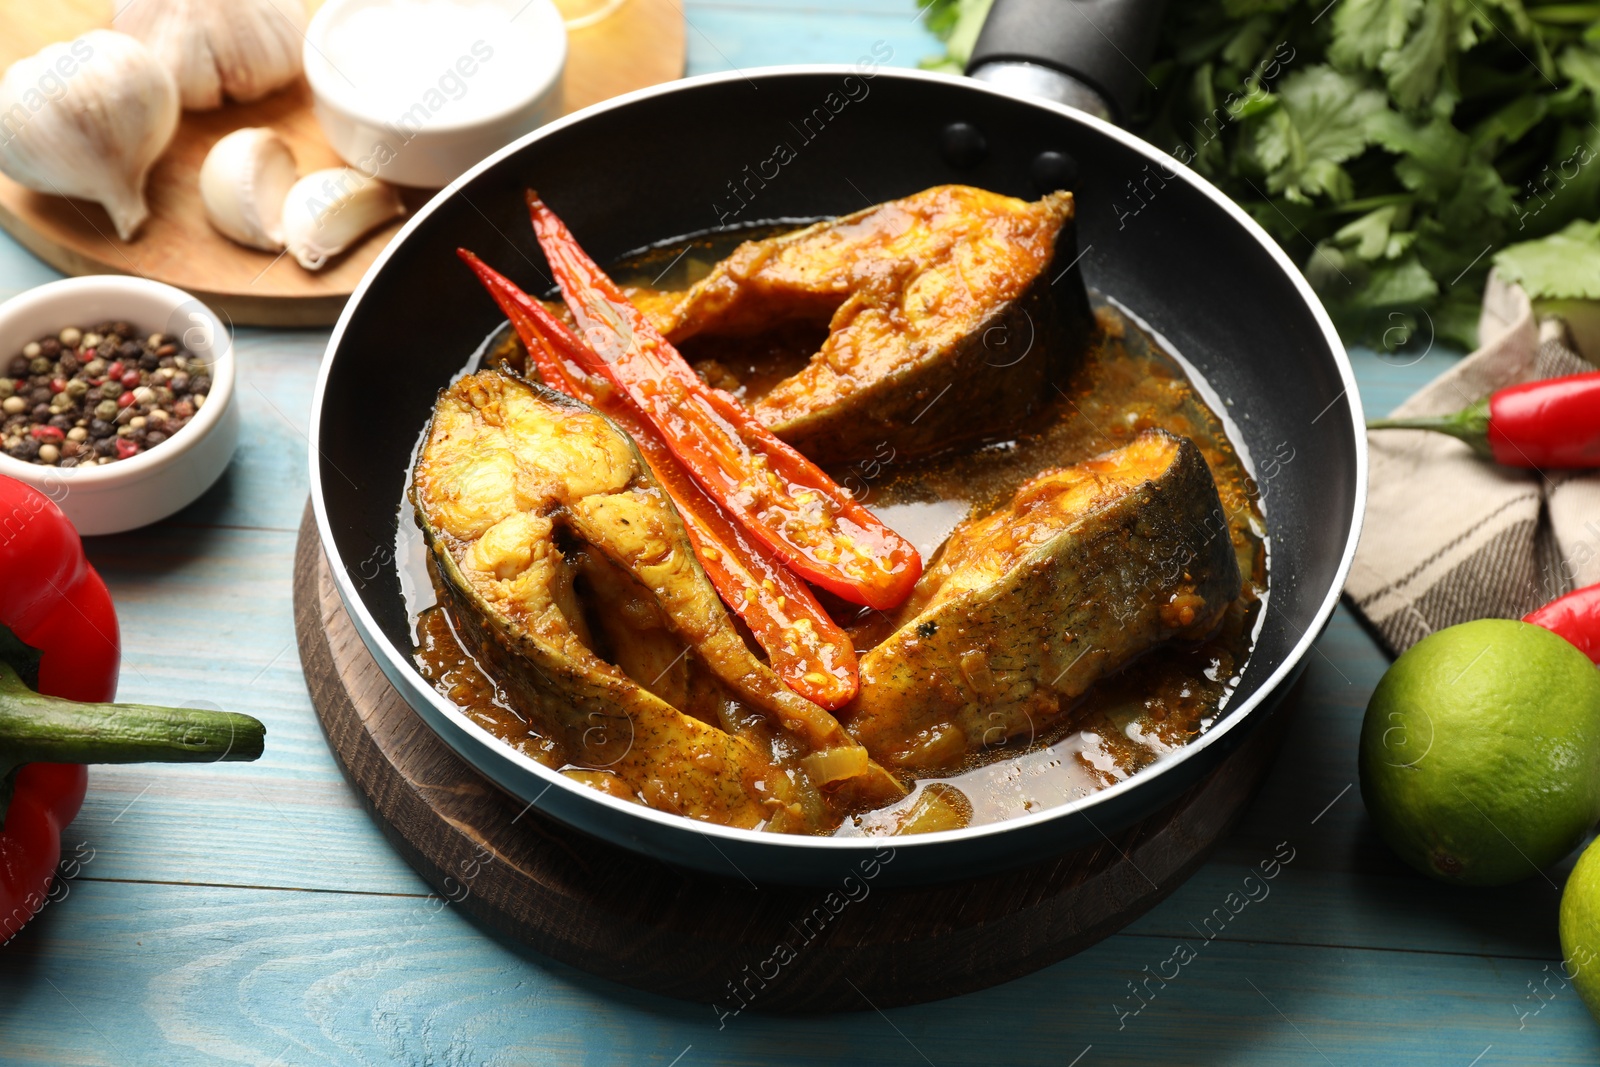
x=252, y=914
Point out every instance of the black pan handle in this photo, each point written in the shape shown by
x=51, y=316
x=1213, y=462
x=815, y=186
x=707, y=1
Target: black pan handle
x=1087, y=53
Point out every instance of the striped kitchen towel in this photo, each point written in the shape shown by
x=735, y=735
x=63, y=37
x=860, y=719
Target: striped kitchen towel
x=1451, y=537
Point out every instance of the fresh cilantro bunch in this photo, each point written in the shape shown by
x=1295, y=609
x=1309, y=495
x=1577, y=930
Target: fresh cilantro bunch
x=1392, y=146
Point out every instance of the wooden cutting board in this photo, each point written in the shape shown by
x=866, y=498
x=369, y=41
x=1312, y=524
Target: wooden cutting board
x=642, y=44
x=683, y=934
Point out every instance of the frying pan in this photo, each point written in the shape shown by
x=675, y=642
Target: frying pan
x=705, y=152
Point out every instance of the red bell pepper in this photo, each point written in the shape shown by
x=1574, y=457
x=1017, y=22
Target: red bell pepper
x=1546, y=425
x=1576, y=617
x=806, y=647
x=778, y=495
x=58, y=636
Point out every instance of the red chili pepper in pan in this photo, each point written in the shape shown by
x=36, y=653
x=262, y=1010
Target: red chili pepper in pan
x=1576, y=617
x=777, y=494
x=1547, y=425
x=58, y=636
x=806, y=647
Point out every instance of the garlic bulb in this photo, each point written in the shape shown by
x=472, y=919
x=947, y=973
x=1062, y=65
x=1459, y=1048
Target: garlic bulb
x=244, y=48
x=88, y=118
x=243, y=184
x=328, y=210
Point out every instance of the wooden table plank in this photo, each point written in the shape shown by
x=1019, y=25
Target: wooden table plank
x=247, y=976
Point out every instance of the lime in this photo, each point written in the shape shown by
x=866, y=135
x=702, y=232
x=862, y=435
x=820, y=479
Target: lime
x=1580, y=927
x=1480, y=752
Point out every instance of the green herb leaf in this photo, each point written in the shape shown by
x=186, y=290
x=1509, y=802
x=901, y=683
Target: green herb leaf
x=1399, y=141
x=1582, y=65
x=1415, y=68
x=1562, y=266
x=1364, y=31
x=1323, y=121
x=957, y=23
x=1378, y=234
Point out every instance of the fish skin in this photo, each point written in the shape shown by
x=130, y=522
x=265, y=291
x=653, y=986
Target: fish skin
x=606, y=721
x=977, y=660
x=504, y=464
x=916, y=360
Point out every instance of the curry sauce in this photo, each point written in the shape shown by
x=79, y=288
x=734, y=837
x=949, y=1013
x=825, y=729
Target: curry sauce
x=1125, y=384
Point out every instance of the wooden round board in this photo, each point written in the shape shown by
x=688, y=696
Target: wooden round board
x=726, y=943
x=642, y=44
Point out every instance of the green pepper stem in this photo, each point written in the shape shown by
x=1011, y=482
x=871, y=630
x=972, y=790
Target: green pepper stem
x=1469, y=424
x=35, y=728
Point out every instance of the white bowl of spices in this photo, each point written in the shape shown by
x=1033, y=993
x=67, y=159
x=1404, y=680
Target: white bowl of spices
x=116, y=398
x=417, y=91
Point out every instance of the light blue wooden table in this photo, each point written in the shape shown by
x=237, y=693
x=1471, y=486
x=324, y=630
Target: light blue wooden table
x=252, y=914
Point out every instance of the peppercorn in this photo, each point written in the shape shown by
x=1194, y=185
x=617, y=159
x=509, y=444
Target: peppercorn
x=98, y=394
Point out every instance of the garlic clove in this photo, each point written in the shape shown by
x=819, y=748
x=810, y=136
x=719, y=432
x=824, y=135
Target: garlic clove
x=88, y=118
x=243, y=184
x=243, y=49
x=328, y=210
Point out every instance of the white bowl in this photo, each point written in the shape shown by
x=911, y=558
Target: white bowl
x=133, y=492
x=420, y=114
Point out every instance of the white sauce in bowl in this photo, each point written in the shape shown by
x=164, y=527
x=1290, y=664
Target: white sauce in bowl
x=433, y=64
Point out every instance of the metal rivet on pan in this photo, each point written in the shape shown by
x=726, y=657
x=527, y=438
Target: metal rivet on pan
x=963, y=145
x=1054, y=170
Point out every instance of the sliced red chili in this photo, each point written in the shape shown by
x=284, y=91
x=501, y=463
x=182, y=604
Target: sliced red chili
x=805, y=646
x=774, y=492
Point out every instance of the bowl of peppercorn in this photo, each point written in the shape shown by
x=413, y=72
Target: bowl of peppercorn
x=116, y=398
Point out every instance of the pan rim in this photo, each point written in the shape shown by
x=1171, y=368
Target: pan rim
x=403, y=674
